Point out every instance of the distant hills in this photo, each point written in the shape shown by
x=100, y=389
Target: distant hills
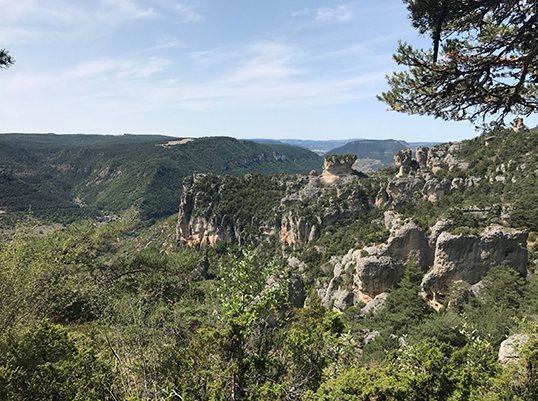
x=320, y=147
x=372, y=154
x=68, y=177
x=383, y=150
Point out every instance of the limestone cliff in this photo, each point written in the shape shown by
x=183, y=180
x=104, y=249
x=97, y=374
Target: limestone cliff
x=377, y=269
x=296, y=208
x=469, y=257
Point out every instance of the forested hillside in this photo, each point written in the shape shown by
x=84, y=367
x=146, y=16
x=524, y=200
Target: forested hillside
x=273, y=304
x=65, y=178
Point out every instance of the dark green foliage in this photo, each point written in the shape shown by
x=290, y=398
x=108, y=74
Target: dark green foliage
x=427, y=370
x=252, y=196
x=47, y=364
x=5, y=59
x=404, y=307
x=403, y=311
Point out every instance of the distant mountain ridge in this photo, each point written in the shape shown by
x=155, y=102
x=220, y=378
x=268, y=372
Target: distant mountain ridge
x=319, y=146
x=372, y=154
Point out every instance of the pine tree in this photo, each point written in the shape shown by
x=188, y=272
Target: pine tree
x=5, y=59
x=484, y=60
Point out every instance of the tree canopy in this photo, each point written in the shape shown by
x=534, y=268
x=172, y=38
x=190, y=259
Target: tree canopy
x=484, y=60
x=5, y=59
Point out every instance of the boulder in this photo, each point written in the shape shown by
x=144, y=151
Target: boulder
x=408, y=243
x=376, y=304
x=510, y=349
x=376, y=274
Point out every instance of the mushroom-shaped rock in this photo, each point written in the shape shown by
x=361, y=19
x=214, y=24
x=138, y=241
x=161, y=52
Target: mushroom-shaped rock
x=336, y=166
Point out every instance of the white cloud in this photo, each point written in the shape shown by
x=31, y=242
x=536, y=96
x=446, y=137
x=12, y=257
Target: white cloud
x=187, y=13
x=298, y=13
x=118, y=68
x=33, y=21
x=152, y=66
x=209, y=58
x=125, y=9
x=9, y=36
x=341, y=13
x=266, y=61
x=163, y=43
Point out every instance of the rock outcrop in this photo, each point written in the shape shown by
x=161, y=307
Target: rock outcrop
x=404, y=186
x=336, y=195
x=403, y=160
x=419, y=173
x=435, y=189
x=510, y=350
x=297, y=230
x=379, y=268
x=469, y=257
x=335, y=167
x=517, y=124
x=376, y=269
x=422, y=156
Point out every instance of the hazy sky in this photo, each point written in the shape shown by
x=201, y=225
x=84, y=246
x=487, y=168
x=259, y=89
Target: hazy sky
x=242, y=68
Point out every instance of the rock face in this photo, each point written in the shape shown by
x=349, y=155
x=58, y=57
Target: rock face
x=404, y=186
x=297, y=230
x=204, y=216
x=377, y=269
x=422, y=156
x=469, y=257
x=198, y=225
x=435, y=189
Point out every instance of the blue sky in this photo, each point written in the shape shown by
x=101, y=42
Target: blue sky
x=242, y=68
